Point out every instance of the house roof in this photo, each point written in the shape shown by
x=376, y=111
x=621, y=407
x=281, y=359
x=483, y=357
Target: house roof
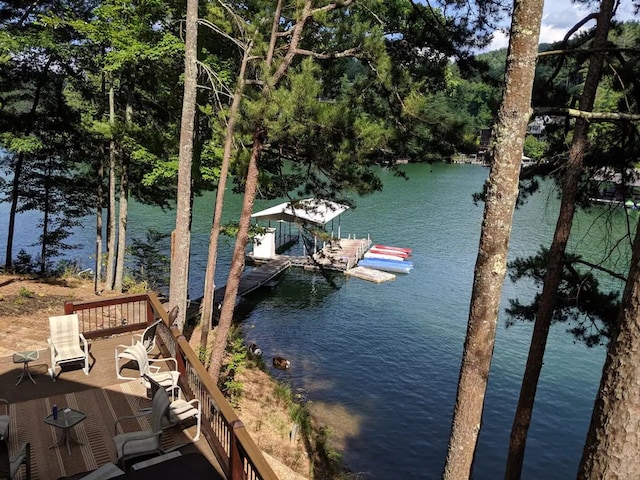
x=310, y=210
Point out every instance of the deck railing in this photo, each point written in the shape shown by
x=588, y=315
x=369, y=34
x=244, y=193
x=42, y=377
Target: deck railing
x=232, y=445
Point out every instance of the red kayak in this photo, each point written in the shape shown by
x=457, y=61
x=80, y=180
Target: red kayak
x=399, y=249
x=383, y=251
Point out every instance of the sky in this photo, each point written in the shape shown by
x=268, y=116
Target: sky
x=558, y=17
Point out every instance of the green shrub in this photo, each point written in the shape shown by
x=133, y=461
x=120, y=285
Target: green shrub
x=25, y=293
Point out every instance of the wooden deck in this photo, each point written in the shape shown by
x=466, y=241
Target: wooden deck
x=340, y=256
x=73, y=380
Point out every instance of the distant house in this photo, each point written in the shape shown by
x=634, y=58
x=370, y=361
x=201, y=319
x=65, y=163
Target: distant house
x=537, y=127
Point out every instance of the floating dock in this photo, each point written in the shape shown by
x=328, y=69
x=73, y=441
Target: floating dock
x=340, y=255
x=370, y=274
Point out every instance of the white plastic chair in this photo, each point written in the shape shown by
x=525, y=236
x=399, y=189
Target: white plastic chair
x=66, y=342
x=148, y=337
x=166, y=378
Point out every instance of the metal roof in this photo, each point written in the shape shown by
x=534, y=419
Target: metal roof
x=309, y=210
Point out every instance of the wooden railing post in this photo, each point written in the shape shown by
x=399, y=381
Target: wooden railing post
x=235, y=458
x=150, y=316
x=182, y=367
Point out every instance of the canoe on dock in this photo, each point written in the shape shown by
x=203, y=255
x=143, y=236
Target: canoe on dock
x=370, y=274
x=388, y=247
x=399, y=266
x=382, y=256
x=384, y=251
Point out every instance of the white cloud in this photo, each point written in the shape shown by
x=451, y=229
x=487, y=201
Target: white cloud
x=558, y=17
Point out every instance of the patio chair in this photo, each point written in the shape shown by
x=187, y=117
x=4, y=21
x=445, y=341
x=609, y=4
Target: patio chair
x=10, y=465
x=143, y=442
x=4, y=421
x=166, y=378
x=147, y=338
x=180, y=409
x=66, y=342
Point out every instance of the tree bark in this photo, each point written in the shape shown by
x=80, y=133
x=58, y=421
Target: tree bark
x=123, y=208
x=111, y=213
x=97, y=279
x=45, y=218
x=491, y=262
x=237, y=262
x=209, y=278
x=15, y=197
x=179, y=281
x=613, y=441
x=546, y=307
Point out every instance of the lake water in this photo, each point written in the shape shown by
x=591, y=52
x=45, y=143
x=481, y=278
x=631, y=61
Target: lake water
x=380, y=362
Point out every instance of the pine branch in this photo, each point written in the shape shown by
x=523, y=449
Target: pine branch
x=350, y=52
x=573, y=51
x=591, y=116
x=600, y=268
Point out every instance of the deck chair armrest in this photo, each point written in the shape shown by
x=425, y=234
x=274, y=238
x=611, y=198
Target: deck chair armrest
x=5, y=402
x=194, y=403
x=191, y=402
x=25, y=450
x=85, y=345
x=136, y=337
x=168, y=359
x=142, y=413
x=52, y=345
x=123, y=347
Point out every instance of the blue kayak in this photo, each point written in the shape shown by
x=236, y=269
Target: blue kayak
x=397, y=266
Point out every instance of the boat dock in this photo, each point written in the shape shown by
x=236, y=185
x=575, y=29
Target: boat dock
x=255, y=278
x=338, y=255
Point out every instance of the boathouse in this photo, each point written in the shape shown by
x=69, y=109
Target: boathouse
x=310, y=213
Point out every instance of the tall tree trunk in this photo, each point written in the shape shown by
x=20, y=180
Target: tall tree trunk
x=237, y=265
x=179, y=282
x=17, y=169
x=97, y=279
x=209, y=278
x=123, y=211
x=111, y=213
x=15, y=198
x=123, y=200
x=237, y=262
x=611, y=448
x=45, y=220
x=555, y=261
x=491, y=263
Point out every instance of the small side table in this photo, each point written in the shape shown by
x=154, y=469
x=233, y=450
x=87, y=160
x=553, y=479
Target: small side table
x=24, y=358
x=67, y=419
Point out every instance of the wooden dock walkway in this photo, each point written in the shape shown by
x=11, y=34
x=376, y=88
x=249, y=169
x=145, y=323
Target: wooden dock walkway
x=257, y=277
x=338, y=256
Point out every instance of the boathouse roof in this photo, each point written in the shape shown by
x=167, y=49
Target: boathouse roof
x=309, y=210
